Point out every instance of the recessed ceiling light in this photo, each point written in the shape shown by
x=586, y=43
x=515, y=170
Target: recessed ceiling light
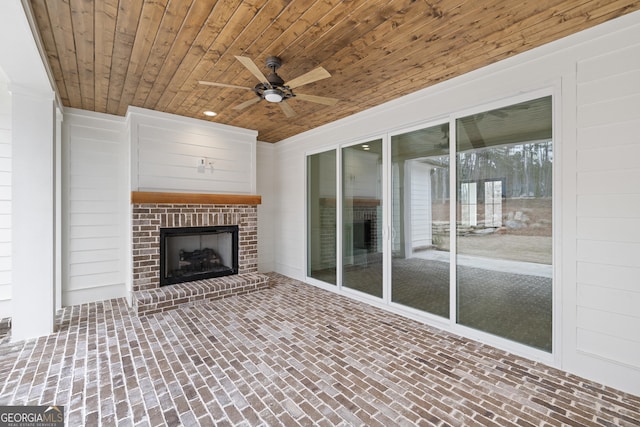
x=365, y=146
x=210, y=113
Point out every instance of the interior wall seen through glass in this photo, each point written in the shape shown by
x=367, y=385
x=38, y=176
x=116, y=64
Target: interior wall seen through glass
x=420, y=219
x=504, y=224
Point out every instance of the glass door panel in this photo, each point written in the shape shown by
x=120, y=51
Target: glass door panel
x=420, y=219
x=504, y=222
x=321, y=216
x=362, y=243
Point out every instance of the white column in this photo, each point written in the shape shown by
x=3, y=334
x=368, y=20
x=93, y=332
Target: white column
x=58, y=211
x=33, y=213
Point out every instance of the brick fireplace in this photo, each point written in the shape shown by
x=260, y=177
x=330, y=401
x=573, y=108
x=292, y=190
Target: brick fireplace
x=154, y=211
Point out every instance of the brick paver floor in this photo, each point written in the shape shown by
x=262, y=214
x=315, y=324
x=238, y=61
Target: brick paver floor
x=289, y=355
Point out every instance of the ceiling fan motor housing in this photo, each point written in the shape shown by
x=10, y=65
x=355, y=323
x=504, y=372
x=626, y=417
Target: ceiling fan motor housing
x=275, y=80
x=273, y=63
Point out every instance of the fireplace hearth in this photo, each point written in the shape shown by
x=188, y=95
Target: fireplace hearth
x=196, y=253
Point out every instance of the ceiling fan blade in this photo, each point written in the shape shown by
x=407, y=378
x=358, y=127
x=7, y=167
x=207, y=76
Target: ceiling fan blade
x=286, y=109
x=251, y=66
x=202, y=82
x=310, y=77
x=248, y=103
x=317, y=99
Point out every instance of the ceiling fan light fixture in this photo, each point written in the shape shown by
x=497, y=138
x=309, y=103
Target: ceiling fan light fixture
x=273, y=89
x=273, y=95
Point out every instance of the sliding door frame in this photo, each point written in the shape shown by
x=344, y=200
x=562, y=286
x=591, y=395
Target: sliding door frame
x=416, y=313
x=552, y=358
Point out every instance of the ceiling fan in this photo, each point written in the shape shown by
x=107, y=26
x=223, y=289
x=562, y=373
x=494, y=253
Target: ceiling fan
x=273, y=89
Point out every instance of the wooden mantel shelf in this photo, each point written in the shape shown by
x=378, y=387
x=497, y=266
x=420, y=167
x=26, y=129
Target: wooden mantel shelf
x=194, y=199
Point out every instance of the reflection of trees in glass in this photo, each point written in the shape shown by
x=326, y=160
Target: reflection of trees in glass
x=527, y=168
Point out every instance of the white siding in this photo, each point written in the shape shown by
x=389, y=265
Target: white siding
x=168, y=149
x=5, y=200
x=95, y=207
x=420, y=200
x=265, y=188
x=608, y=200
x=594, y=79
x=289, y=229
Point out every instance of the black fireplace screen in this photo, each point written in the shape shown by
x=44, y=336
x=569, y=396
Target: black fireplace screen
x=195, y=253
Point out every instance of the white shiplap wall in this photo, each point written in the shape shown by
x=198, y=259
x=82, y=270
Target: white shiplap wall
x=264, y=177
x=5, y=200
x=608, y=205
x=289, y=228
x=593, y=76
x=167, y=149
x=419, y=180
x=106, y=157
x=95, y=207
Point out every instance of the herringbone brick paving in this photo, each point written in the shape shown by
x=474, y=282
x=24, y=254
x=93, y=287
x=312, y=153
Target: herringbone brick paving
x=289, y=355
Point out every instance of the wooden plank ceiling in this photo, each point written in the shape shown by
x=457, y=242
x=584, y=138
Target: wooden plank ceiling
x=108, y=54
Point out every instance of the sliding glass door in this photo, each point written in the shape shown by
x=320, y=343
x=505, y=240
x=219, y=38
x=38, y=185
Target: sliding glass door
x=420, y=219
x=362, y=243
x=321, y=216
x=452, y=220
x=504, y=222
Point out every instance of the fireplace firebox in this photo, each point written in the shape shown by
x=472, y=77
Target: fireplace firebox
x=196, y=253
